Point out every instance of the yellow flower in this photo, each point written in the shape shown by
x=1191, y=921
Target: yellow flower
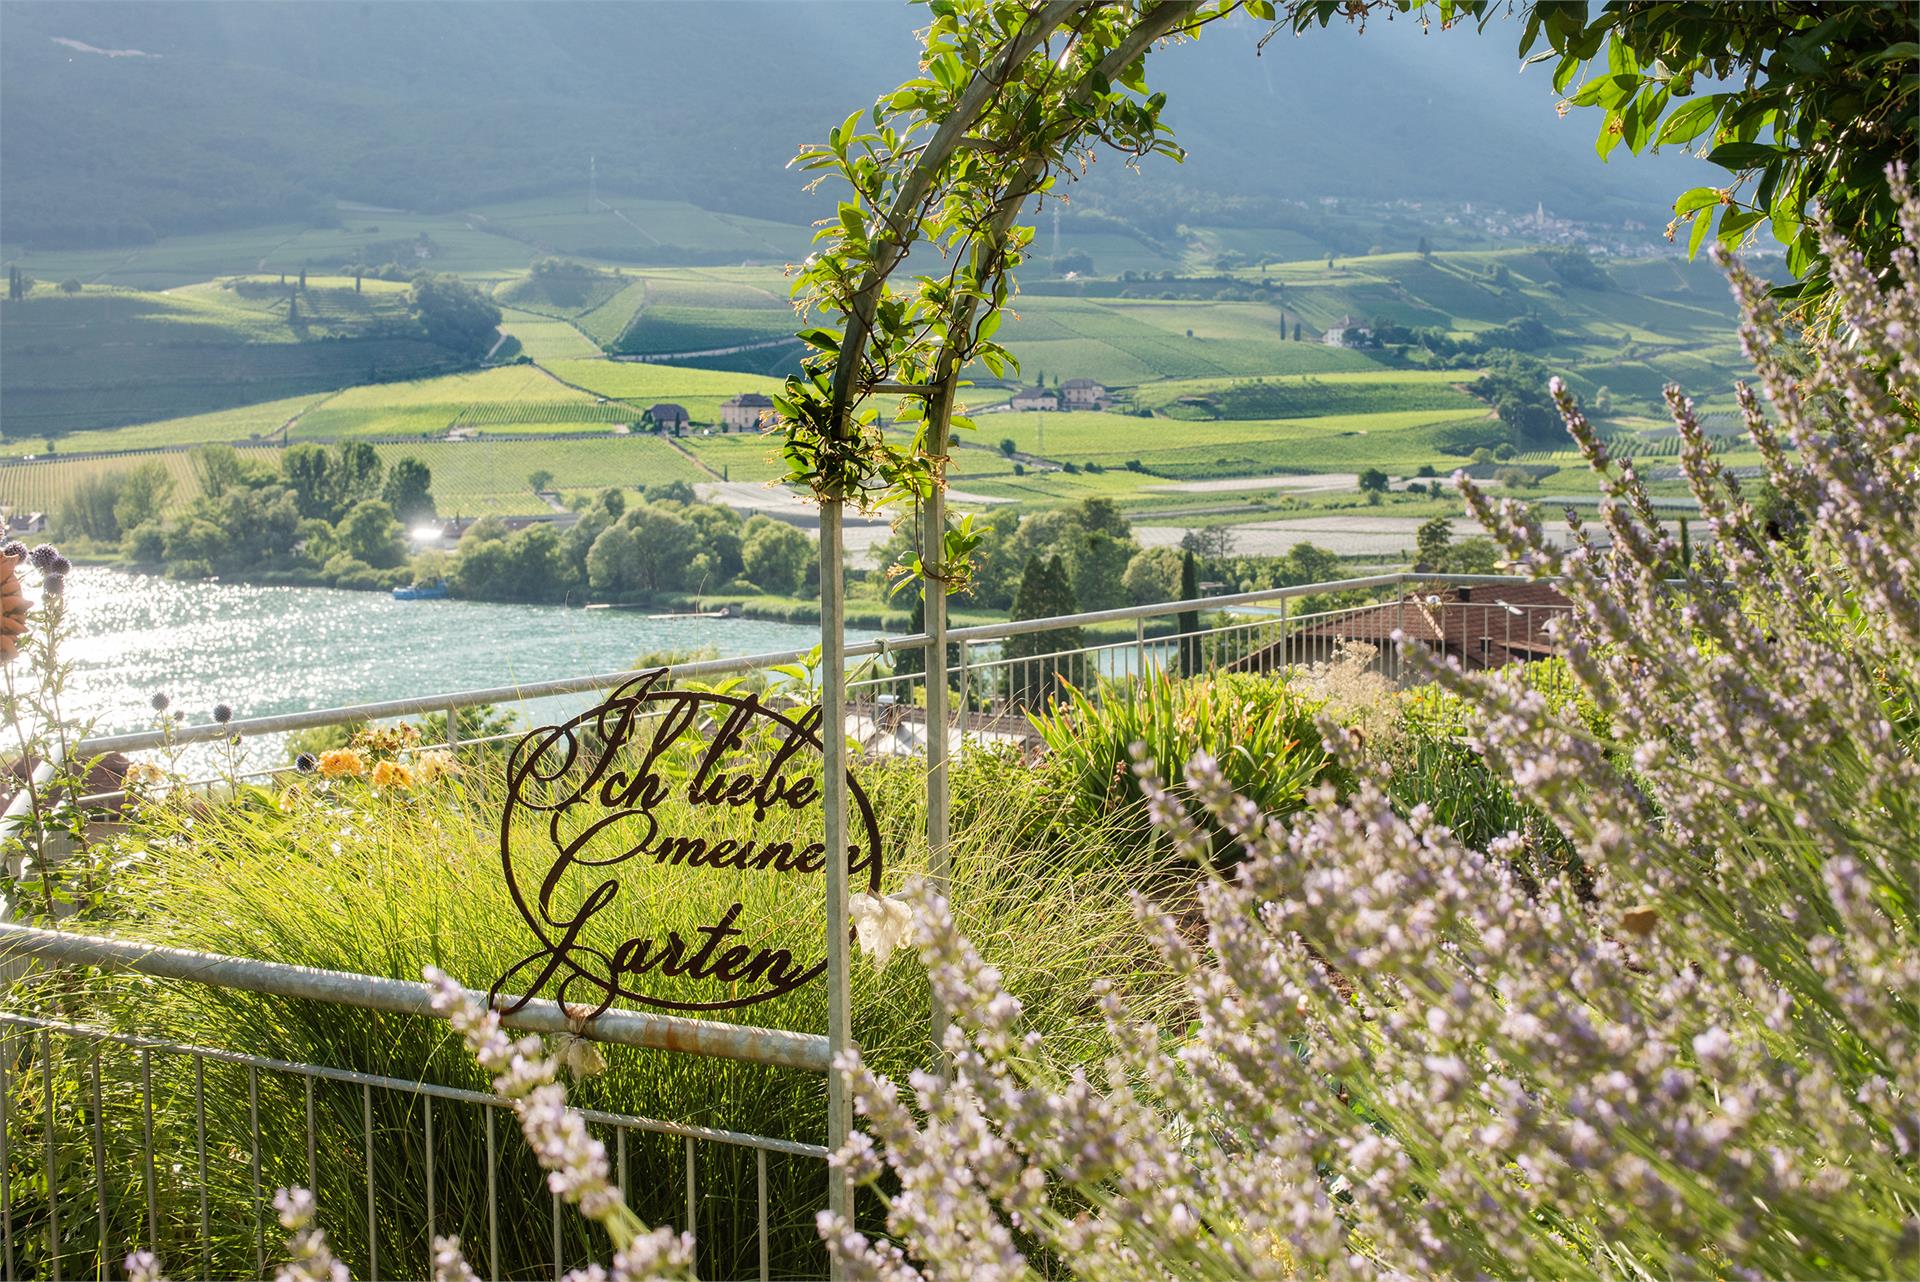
x=391, y=774
x=434, y=763
x=342, y=762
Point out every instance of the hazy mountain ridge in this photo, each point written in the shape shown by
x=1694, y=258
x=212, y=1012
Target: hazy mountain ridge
x=248, y=114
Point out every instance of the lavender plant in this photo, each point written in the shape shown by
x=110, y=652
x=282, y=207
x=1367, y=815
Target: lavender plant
x=1705, y=1061
x=1406, y=1058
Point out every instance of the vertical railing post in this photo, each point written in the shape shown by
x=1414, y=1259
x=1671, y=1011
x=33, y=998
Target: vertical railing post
x=966, y=698
x=1140, y=649
x=453, y=729
x=1283, y=634
x=833, y=742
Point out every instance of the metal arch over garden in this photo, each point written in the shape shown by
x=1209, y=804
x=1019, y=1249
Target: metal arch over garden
x=949, y=160
x=1010, y=94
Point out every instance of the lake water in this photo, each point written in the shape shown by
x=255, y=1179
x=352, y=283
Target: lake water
x=267, y=650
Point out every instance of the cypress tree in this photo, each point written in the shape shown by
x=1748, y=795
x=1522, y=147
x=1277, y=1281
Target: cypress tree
x=1037, y=666
x=1187, y=622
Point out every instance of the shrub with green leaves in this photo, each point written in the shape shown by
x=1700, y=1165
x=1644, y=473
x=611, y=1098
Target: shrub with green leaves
x=1261, y=731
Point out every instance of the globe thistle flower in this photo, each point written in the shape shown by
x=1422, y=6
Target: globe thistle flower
x=306, y=763
x=54, y=585
x=160, y=703
x=222, y=714
x=42, y=558
x=15, y=549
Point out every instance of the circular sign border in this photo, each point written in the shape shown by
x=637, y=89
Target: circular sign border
x=567, y=729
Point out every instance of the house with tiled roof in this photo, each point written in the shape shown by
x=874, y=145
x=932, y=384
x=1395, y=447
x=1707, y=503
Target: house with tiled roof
x=747, y=412
x=1482, y=626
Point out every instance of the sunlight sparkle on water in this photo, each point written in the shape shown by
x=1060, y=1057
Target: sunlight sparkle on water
x=268, y=650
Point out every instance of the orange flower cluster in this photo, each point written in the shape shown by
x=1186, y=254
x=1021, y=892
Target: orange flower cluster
x=342, y=763
x=385, y=772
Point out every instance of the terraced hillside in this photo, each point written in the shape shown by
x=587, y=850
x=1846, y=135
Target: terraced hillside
x=1205, y=377
x=106, y=357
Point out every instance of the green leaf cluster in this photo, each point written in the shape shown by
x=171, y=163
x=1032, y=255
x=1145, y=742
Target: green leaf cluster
x=1805, y=105
x=1010, y=98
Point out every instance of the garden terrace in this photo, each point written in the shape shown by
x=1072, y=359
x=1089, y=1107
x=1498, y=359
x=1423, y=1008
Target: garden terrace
x=268, y=927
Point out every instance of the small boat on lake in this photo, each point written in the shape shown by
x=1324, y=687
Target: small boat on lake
x=435, y=591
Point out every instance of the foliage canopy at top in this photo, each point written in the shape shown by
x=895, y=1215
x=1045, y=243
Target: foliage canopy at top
x=1809, y=103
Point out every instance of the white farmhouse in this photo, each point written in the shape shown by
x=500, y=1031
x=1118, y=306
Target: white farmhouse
x=1083, y=394
x=1036, y=398
x=1348, y=333
x=747, y=412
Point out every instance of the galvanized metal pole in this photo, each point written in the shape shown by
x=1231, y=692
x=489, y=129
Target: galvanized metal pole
x=933, y=542
x=833, y=742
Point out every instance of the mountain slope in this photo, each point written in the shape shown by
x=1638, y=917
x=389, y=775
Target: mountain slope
x=120, y=121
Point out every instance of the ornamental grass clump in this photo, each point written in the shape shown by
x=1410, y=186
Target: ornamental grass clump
x=1699, y=1056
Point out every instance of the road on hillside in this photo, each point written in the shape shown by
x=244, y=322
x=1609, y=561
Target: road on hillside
x=1341, y=535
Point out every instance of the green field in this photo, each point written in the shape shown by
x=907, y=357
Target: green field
x=1208, y=380
x=1394, y=439
x=44, y=485
x=514, y=397
x=604, y=323
x=108, y=357
x=1128, y=343
x=449, y=243
x=745, y=457
x=642, y=384
x=477, y=478
x=699, y=311
x=1310, y=395
x=245, y=423
x=634, y=230
x=544, y=338
x=560, y=292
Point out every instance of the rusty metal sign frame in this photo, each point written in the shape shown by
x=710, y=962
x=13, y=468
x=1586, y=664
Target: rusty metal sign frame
x=584, y=757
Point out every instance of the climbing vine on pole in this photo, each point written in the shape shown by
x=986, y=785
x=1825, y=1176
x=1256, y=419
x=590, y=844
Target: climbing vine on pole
x=1009, y=96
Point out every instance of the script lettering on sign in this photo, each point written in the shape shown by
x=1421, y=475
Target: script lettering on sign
x=604, y=804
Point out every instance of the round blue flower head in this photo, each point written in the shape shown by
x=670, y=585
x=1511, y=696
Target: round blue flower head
x=61, y=566
x=306, y=763
x=15, y=549
x=222, y=714
x=54, y=585
x=159, y=702
x=43, y=557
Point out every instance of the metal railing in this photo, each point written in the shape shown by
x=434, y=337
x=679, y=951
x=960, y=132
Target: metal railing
x=170, y=1173
x=965, y=640
x=58, y=1090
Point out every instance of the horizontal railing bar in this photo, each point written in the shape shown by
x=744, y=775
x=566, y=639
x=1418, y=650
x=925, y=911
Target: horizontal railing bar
x=143, y=740
x=457, y=1094
x=774, y=1046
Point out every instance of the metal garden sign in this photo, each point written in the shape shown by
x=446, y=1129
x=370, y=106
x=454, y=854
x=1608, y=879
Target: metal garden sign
x=643, y=841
